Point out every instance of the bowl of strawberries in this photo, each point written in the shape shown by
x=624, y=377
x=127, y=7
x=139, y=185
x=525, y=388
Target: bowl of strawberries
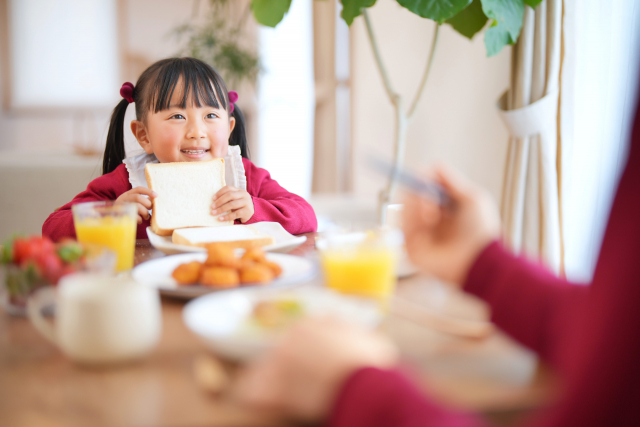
x=28, y=263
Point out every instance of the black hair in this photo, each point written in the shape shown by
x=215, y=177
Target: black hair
x=201, y=84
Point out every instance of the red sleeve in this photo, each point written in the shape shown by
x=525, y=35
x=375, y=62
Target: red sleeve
x=380, y=398
x=106, y=187
x=592, y=330
x=602, y=384
x=273, y=203
x=527, y=301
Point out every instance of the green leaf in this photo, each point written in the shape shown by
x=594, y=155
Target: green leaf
x=70, y=252
x=507, y=16
x=533, y=3
x=470, y=20
x=437, y=10
x=353, y=8
x=496, y=38
x=6, y=253
x=270, y=12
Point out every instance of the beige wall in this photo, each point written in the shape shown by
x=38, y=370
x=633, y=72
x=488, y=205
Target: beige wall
x=145, y=27
x=456, y=121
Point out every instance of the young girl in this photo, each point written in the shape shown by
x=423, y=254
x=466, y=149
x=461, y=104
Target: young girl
x=185, y=114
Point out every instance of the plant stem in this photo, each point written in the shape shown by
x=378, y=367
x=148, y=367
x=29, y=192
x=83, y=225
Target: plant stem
x=400, y=122
x=427, y=69
x=401, y=118
x=376, y=52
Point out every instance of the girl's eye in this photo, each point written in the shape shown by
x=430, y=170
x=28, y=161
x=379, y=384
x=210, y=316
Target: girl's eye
x=177, y=116
x=211, y=116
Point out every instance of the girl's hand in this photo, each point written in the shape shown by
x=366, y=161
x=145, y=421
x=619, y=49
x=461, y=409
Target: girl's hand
x=137, y=195
x=301, y=377
x=445, y=241
x=235, y=201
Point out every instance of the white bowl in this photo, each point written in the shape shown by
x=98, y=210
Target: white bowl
x=222, y=320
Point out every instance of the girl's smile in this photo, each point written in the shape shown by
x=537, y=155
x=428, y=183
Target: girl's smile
x=195, y=153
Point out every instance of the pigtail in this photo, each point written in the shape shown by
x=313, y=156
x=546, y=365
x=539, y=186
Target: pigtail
x=114, y=150
x=239, y=135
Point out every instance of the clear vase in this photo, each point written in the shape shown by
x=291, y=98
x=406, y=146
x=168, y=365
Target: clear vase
x=16, y=286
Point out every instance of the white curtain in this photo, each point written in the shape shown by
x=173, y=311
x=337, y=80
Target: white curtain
x=599, y=76
x=530, y=202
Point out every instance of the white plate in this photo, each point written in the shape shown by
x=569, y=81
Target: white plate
x=284, y=241
x=221, y=320
x=157, y=274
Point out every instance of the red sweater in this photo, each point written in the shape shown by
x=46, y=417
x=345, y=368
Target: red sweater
x=589, y=334
x=271, y=203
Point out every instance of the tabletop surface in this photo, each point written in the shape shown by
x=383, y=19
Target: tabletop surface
x=40, y=387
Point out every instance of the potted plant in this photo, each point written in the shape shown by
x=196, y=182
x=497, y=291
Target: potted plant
x=218, y=38
x=467, y=17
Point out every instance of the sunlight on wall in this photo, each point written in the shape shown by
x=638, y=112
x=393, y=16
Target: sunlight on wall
x=59, y=60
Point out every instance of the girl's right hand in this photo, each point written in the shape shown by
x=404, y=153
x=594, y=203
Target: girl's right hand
x=446, y=240
x=137, y=195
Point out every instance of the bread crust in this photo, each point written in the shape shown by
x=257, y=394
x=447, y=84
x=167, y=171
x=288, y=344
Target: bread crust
x=231, y=244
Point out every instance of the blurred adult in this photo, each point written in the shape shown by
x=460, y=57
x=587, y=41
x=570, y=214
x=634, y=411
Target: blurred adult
x=589, y=334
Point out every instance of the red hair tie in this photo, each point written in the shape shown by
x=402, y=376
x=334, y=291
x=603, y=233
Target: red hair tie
x=233, y=98
x=126, y=91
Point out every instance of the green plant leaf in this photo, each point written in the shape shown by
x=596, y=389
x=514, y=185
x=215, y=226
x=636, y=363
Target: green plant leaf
x=437, y=10
x=353, y=8
x=470, y=20
x=533, y=3
x=270, y=12
x=507, y=16
x=496, y=38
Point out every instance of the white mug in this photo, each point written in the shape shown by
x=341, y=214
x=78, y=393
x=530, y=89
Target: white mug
x=99, y=319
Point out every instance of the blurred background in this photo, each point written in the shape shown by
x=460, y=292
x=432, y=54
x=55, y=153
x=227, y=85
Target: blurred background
x=313, y=97
x=317, y=103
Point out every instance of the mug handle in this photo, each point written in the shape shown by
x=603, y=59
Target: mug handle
x=39, y=299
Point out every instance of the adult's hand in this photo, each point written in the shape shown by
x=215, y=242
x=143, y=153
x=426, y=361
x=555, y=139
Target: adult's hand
x=301, y=377
x=445, y=240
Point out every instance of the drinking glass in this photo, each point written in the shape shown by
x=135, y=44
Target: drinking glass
x=361, y=263
x=110, y=225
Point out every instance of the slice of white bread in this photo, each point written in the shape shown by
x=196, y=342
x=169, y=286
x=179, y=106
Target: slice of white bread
x=185, y=194
x=233, y=236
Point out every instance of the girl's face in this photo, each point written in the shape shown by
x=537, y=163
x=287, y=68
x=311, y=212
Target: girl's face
x=190, y=134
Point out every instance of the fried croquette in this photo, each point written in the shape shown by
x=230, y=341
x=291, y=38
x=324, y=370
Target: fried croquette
x=188, y=274
x=254, y=254
x=220, y=277
x=246, y=263
x=221, y=256
x=256, y=273
x=275, y=268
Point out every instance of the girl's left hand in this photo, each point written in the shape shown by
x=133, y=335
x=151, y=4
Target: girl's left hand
x=236, y=202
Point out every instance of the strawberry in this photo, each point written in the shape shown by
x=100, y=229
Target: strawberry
x=50, y=265
x=20, y=250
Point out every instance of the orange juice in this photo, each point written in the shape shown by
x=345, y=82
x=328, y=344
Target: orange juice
x=109, y=225
x=362, y=270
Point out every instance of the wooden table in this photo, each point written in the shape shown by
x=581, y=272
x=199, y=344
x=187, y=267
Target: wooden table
x=40, y=387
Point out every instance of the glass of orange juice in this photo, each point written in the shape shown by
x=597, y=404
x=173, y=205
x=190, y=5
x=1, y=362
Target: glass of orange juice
x=362, y=263
x=110, y=225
